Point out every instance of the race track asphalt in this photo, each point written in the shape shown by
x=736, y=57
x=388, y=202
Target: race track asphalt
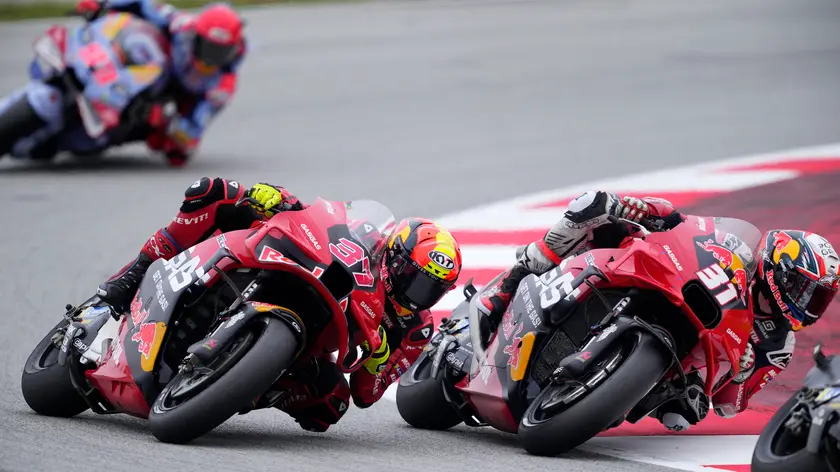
x=431, y=107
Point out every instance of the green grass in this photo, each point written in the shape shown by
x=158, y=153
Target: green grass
x=12, y=12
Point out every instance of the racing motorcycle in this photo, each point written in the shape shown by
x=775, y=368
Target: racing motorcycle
x=213, y=328
x=103, y=90
x=607, y=336
x=804, y=433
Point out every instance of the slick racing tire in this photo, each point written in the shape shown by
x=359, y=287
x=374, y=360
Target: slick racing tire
x=635, y=364
x=774, y=453
x=19, y=121
x=46, y=385
x=195, y=403
x=420, y=399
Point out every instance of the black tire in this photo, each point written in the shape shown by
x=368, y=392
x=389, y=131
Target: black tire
x=764, y=457
x=645, y=361
x=250, y=373
x=18, y=121
x=46, y=385
x=420, y=399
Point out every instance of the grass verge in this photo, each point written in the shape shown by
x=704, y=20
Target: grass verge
x=26, y=11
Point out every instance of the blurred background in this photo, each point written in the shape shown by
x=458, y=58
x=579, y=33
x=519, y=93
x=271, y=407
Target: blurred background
x=432, y=107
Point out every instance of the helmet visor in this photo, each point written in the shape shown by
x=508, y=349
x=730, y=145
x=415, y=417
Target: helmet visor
x=413, y=287
x=212, y=53
x=810, y=296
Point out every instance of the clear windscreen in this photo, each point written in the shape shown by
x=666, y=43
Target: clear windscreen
x=742, y=238
x=371, y=224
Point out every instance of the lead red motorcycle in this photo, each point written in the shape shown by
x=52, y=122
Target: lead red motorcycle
x=217, y=325
x=605, y=337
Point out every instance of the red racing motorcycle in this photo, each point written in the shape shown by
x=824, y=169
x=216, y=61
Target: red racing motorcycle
x=213, y=328
x=605, y=337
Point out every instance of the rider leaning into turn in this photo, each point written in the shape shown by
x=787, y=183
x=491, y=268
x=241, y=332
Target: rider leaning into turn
x=206, y=51
x=790, y=289
x=315, y=393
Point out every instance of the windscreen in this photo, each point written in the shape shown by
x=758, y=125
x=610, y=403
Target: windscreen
x=371, y=224
x=742, y=238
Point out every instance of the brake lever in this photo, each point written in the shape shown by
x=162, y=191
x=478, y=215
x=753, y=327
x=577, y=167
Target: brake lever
x=642, y=225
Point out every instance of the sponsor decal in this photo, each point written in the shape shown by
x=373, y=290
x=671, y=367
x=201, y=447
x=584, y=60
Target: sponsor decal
x=311, y=236
x=442, y=260
x=368, y=310
x=138, y=314
x=733, y=335
x=148, y=337
x=191, y=220
x=673, y=257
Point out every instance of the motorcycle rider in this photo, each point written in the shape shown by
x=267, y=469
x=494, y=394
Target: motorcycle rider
x=796, y=280
x=316, y=393
x=207, y=50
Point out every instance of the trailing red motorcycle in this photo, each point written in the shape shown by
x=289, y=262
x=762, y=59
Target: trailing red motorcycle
x=607, y=336
x=217, y=325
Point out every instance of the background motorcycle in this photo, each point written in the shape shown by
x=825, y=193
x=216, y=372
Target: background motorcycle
x=213, y=328
x=609, y=333
x=805, y=431
x=103, y=93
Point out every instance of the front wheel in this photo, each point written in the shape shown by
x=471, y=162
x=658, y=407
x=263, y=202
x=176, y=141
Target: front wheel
x=564, y=416
x=777, y=450
x=194, y=403
x=17, y=121
x=420, y=399
x=46, y=385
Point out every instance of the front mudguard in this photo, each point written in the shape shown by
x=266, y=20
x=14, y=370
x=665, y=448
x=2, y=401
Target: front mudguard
x=206, y=350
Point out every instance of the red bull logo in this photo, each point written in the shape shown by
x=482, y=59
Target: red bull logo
x=138, y=314
x=148, y=337
x=513, y=351
x=784, y=243
x=795, y=324
x=723, y=255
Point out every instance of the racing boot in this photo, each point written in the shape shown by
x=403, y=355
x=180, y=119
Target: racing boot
x=118, y=290
x=680, y=414
x=534, y=258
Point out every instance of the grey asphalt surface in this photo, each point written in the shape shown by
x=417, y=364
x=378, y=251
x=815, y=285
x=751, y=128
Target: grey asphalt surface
x=430, y=107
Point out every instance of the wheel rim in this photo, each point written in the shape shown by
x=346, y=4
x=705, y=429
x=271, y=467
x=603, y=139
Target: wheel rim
x=557, y=398
x=47, y=355
x=187, y=385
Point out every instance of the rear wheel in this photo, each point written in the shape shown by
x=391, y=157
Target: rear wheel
x=420, y=399
x=562, y=418
x=46, y=385
x=194, y=403
x=18, y=121
x=778, y=450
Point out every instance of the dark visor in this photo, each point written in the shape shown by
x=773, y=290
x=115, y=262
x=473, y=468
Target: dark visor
x=809, y=295
x=213, y=54
x=414, y=288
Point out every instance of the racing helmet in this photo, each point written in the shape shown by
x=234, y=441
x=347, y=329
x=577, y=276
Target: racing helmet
x=797, y=273
x=218, y=35
x=422, y=262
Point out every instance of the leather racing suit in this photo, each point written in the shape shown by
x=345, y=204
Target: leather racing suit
x=315, y=392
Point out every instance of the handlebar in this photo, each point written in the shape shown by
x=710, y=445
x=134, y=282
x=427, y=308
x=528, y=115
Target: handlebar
x=644, y=224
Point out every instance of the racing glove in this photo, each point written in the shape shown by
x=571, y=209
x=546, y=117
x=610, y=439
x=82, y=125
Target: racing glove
x=747, y=365
x=272, y=200
x=379, y=359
